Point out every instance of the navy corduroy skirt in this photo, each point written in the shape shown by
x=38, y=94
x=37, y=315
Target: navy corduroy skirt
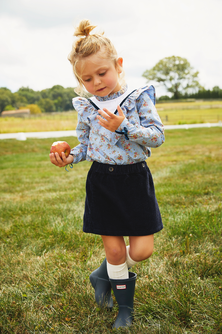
x=121, y=201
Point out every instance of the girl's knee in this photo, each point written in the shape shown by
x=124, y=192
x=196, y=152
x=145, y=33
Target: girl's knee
x=116, y=255
x=115, y=249
x=142, y=253
x=141, y=248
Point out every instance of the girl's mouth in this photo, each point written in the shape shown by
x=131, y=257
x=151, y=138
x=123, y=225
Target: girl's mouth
x=101, y=89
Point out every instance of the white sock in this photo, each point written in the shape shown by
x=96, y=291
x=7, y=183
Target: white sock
x=130, y=262
x=119, y=271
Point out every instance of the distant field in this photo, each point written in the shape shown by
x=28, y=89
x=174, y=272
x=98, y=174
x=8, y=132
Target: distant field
x=190, y=112
x=43, y=122
x=170, y=113
x=190, y=116
x=192, y=104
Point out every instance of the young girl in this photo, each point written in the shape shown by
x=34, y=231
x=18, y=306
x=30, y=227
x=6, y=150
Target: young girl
x=116, y=128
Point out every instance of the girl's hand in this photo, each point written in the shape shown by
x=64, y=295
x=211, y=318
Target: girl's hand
x=60, y=162
x=111, y=121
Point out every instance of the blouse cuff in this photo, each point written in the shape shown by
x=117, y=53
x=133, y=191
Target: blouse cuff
x=122, y=129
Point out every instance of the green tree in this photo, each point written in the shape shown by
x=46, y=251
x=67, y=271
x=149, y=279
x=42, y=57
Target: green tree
x=176, y=74
x=30, y=95
x=46, y=105
x=61, y=97
x=19, y=100
x=215, y=93
x=45, y=93
x=6, y=98
x=56, y=92
x=56, y=98
x=59, y=104
x=69, y=95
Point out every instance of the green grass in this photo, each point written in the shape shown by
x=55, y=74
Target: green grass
x=46, y=259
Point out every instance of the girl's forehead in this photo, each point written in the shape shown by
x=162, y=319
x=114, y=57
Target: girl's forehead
x=94, y=62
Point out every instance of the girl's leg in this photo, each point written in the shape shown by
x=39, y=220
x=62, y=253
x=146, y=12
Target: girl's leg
x=123, y=282
x=116, y=253
x=123, y=286
x=141, y=248
x=115, y=249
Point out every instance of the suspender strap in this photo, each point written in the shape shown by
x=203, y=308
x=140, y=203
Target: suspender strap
x=124, y=100
x=94, y=105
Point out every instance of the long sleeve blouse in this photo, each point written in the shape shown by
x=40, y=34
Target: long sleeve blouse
x=140, y=130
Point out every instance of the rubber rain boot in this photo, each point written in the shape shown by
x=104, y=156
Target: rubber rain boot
x=124, y=292
x=100, y=282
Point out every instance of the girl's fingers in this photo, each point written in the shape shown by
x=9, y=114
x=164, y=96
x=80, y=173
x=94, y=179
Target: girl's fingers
x=56, y=160
x=103, y=123
x=52, y=158
x=108, y=112
x=109, y=120
x=120, y=111
x=105, y=114
x=64, y=159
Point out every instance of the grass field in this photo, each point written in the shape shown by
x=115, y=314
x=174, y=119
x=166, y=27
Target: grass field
x=43, y=122
x=170, y=113
x=46, y=259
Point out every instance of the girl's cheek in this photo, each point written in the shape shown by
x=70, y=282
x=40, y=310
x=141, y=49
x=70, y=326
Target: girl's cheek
x=110, y=81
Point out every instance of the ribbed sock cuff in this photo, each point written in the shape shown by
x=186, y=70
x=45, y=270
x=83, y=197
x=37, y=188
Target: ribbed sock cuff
x=130, y=262
x=119, y=271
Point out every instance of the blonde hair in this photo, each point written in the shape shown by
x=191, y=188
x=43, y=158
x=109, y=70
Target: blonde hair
x=87, y=45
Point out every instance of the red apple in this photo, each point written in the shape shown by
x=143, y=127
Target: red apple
x=59, y=147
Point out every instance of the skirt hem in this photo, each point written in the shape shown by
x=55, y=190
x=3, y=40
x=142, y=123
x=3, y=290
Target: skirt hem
x=123, y=234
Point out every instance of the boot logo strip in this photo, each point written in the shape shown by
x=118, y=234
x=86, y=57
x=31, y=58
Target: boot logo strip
x=121, y=287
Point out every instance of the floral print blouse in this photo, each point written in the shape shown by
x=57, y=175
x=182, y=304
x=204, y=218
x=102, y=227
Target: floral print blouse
x=140, y=130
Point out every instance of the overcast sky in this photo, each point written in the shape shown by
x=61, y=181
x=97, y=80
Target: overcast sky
x=36, y=37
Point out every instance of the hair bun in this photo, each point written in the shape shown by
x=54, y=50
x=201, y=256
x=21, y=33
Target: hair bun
x=84, y=28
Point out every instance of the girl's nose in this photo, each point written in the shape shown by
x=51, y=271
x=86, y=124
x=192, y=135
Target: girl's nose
x=97, y=80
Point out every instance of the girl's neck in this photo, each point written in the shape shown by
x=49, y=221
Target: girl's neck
x=113, y=95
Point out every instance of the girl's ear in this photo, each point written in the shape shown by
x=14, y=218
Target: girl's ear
x=120, y=65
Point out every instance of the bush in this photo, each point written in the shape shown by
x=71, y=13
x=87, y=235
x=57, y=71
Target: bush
x=9, y=107
x=164, y=98
x=34, y=109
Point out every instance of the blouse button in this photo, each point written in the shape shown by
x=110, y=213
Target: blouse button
x=143, y=165
x=111, y=169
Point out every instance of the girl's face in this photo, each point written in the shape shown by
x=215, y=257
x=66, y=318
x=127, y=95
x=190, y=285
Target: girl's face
x=99, y=75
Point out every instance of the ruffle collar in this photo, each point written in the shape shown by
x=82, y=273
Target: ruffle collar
x=85, y=108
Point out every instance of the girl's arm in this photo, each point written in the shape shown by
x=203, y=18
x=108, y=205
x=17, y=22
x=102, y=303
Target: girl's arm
x=79, y=152
x=150, y=131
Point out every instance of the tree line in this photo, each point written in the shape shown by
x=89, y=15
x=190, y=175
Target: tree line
x=52, y=99
x=176, y=74
x=205, y=94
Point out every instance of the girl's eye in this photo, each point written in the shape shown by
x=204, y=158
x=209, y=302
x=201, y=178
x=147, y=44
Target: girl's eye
x=102, y=74
x=87, y=80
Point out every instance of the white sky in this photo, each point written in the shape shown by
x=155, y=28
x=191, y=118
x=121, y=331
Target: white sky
x=36, y=37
